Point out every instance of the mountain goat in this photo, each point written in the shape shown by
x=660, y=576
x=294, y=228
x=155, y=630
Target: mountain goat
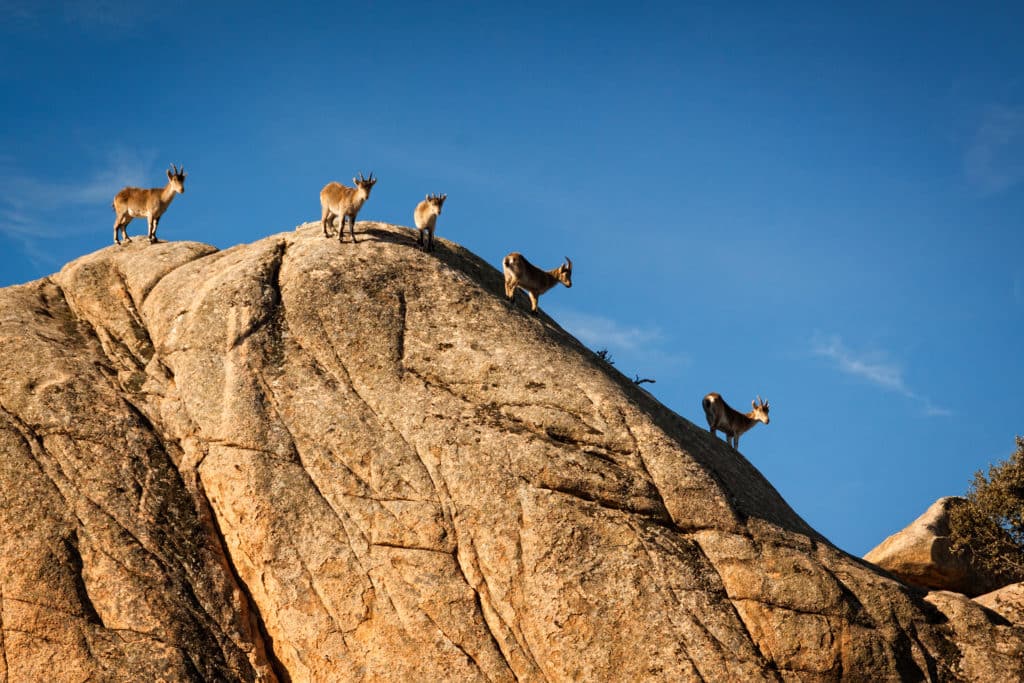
x=337, y=200
x=522, y=274
x=425, y=216
x=135, y=202
x=732, y=423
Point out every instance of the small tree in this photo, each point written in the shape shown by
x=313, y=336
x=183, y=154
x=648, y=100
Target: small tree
x=989, y=525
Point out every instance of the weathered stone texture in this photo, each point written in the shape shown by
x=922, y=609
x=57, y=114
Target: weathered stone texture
x=1007, y=601
x=304, y=460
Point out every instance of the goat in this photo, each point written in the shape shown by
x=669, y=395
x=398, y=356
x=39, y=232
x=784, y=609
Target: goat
x=337, y=200
x=425, y=216
x=134, y=202
x=732, y=422
x=522, y=274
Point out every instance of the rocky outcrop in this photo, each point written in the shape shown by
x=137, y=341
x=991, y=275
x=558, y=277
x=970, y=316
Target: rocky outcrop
x=304, y=460
x=920, y=555
x=1007, y=601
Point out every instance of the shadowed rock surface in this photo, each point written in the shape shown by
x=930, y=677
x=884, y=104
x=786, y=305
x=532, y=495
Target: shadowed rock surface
x=304, y=460
x=1008, y=602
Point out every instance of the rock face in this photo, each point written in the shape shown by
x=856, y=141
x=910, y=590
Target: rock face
x=1008, y=602
x=304, y=460
x=920, y=555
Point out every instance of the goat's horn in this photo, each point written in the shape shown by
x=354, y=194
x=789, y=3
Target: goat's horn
x=569, y=261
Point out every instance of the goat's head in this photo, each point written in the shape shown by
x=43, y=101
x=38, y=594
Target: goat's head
x=365, y=184
x=564, y=272
x=437, y=200
x=760, y=411
x=176, y=176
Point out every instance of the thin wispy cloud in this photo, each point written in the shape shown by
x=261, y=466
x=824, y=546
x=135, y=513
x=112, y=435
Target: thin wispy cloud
x=994, y=160
x=599, y=332
x=33, y=211
x=875, y=367
x=635, y=348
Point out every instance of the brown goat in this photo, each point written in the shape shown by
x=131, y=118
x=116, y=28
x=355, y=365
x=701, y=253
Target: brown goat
x=337, y=200
x=522, y=274
x=732, y=423
x=425, y=216
x=135, y=202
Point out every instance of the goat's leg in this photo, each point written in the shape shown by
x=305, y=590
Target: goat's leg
x=430, y=240
x=352, y=228
x=533, y=301
x=325, y=219
x=121, y=225
x=153, y=221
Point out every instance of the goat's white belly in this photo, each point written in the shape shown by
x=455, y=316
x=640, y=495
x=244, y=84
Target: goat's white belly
x=137, y=213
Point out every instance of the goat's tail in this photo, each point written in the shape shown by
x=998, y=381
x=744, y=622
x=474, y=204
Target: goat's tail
x=707, y=404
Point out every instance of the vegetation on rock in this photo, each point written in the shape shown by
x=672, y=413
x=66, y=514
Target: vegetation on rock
x=989, y=525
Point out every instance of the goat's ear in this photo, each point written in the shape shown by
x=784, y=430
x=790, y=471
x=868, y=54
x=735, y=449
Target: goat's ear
x=427, y=197
x=753, y=404
x=169, y=174
x=355, y=182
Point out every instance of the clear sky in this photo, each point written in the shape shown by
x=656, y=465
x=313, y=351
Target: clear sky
x=819, y=205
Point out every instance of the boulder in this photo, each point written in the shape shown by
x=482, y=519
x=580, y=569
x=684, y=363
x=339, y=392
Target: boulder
x=1007, y=601
x=920, y=555
x=303, y=460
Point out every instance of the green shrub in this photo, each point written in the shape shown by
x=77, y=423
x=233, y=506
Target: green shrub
x=989, y=525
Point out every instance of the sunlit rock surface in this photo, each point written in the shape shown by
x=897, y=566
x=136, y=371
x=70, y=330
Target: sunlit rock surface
x=304, y=460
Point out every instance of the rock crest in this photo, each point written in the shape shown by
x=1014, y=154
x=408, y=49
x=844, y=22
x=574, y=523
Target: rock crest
x=303, y=460
x=920, y=555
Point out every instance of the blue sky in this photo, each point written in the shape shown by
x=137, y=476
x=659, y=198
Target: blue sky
x=819, y=205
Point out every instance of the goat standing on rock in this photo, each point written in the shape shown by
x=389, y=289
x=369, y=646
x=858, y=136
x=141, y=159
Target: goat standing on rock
x=425, y=216
x=732, y=422
x=135, y=202
x=522, y=274
x=337, y=200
